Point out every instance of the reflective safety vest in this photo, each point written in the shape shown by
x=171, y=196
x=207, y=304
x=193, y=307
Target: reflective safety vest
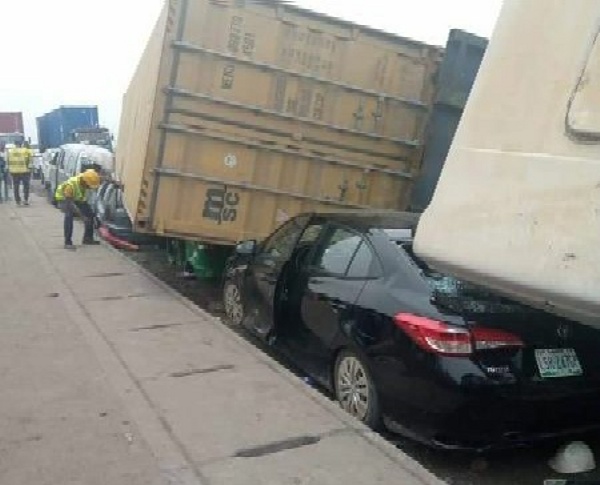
x=18, y=160
x=71, y=189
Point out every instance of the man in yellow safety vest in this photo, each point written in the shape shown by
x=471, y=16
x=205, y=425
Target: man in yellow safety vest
x=18, y=160
x=72, y=198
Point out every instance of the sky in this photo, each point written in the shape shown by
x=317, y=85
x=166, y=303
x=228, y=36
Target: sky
x=84, y=52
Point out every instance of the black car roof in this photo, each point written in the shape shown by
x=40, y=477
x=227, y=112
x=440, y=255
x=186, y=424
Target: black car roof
x=367, y=220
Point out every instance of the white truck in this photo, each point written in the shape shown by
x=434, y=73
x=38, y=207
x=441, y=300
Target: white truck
x=517, y=207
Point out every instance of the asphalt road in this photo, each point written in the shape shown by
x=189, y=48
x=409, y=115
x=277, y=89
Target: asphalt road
x=526, y=466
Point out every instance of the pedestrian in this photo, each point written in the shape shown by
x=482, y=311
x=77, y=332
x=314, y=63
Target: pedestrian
x=72, y=199
x=3, y=175
x=18, y=160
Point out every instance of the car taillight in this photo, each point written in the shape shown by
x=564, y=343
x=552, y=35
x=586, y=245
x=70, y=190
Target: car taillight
x=443, y=339
x=434, y=336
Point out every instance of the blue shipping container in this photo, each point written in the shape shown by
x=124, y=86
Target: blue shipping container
x=55, y=127
x=456, y=77
x=42, y=132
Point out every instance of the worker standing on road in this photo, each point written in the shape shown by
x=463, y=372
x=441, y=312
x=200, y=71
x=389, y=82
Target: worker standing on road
x=72, y=198
x=3, y=175
x=19, y=166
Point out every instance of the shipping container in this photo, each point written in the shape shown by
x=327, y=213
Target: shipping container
x=462, y=59
x=517, y=207
x=56, y=127
x=43, y=132
x=11, y=123
x=244, y=113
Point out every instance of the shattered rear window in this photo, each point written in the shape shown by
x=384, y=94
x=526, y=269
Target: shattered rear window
x=456, y=294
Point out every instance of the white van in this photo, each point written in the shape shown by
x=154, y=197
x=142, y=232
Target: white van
x=47, y=164
x=73, y=159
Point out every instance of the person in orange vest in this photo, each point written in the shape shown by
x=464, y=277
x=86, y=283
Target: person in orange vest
x=18, y=160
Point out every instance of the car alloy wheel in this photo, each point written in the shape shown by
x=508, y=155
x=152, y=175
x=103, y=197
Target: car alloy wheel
x=355, y=390
x=234, y=307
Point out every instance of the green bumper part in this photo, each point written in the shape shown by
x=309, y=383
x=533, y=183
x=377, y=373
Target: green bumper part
x=205, y=261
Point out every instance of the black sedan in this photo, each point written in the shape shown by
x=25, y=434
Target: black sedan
x=400, y=345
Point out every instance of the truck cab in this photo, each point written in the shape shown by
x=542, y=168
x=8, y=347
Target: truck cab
x=97, y=136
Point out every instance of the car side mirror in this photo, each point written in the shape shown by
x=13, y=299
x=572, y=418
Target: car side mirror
x=247, y=248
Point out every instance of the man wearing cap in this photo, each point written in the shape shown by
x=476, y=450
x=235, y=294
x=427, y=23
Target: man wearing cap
x=72, y=198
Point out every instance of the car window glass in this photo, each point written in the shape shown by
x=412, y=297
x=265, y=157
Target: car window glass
x=338, y=252
x=460, y=295
x=71, y=163
x=364, y=264
x=281, y=244
x=311, y=234
x=306, y=244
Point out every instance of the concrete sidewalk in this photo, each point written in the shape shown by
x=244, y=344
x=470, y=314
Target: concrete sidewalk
x=109, y=377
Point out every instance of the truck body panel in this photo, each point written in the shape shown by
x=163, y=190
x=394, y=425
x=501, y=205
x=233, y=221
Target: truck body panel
x=517, y=207
x=242, y=114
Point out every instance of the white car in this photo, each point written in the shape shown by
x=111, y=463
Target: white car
x=73, y=159
x=48, y=161
x=36, y=165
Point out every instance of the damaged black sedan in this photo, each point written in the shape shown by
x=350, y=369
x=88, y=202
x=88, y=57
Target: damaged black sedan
x=402, y=346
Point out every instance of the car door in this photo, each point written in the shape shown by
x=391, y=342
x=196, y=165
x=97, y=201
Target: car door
x=333, y=282
x=263, y=275
x=65, y=167
x=57, y=168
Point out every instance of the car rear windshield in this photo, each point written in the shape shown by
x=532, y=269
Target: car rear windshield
x=457, y=294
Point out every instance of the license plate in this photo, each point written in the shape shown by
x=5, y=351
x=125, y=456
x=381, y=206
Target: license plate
x=558, y=363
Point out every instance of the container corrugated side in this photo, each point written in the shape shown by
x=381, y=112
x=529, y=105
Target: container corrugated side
x=263, y=110
x=11, y=122
x=79, y=116
x=138, y=110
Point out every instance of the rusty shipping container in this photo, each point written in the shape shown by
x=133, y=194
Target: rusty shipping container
x=11, y=122
x=243, y=113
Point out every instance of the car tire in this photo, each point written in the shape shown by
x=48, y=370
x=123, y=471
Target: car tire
x=355, y=389
x=233, y=303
